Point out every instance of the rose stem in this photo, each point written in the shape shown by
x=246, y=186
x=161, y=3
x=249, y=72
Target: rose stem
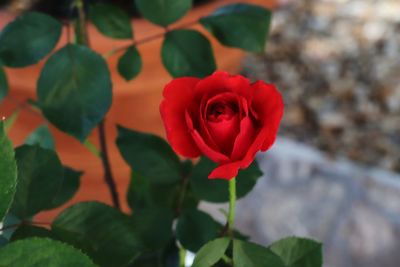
x=232, y=205
x=108, y=177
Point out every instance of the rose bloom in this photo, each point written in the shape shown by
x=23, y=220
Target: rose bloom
x=224, y=117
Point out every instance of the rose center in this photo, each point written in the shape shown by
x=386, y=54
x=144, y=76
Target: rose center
x=220, y=112
x=222, y=120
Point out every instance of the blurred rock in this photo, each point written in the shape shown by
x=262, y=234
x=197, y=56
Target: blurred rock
x=337, y=63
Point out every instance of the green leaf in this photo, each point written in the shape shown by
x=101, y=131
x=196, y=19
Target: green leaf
x=104, y=233
x=187, y=53
x=35, y=252
x=40, y=175
x=28, y=231
x=3, y=241
x=211, y=253
x=187, y=167
x=240, y=25
x=187, y=201
x=3, y=84
x=149, y=156
x=28, y=39
x=111, y=21
x=74, y=90
x=142, y=194
x=163, y=12
x=154, y=227
x=166, y=257
x=195, y=228
x=201, y=185
x=8, y=172
x=130, y=63
x=298, y=252
x=42, y=137
x=69, y=186
x=246, y=254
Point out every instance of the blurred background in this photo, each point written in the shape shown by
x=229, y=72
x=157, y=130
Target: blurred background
x=334, y=173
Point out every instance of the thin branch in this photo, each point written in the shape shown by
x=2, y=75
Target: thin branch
x=107, y=166
x=149, y=38
x=83, y=36
x=184, y=186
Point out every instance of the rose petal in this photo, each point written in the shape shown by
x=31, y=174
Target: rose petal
x=226, y=171
x=223, y=132
x=268, y=105
x=205, y=148
x=203, y=126
x=244, y=139
x=178, y=95
x=221, y=81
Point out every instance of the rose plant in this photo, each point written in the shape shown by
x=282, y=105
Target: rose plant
x=221, y=119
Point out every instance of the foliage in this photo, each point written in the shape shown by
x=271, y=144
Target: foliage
x=8, y=173
x=111, y=21
x=42, y=252
x=71, y=80
x=74, y=94
x=178, y=49
x=28, y=39
x=240, y=17
x=3, y=84
x=130, y=63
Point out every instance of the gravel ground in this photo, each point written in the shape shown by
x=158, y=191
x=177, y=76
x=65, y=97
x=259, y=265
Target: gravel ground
x=337, y=63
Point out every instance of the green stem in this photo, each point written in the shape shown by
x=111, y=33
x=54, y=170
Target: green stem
x=81, y=36
x=92, y=148
x=9, y=122
x=232, y=205
x=182, y=257
x=184, y=187
x=227, y=260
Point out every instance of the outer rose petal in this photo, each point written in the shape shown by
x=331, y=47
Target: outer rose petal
x=221, y=81
x=268, y=105
x=178, y=94
x=244, y=139
x=230, y=170
x=226, y=171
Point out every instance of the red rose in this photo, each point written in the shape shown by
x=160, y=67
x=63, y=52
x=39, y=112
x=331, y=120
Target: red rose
x=224, y=117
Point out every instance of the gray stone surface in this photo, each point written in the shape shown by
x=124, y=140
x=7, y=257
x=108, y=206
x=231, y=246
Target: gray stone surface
x=337, y=64
x=354, y=211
